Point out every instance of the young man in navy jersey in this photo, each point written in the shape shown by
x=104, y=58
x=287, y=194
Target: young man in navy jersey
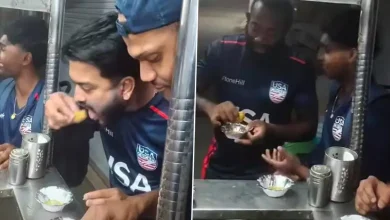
x=152, y=40
x=132, y=116
x=256, y=73
x=23, y=49
x=338, y=56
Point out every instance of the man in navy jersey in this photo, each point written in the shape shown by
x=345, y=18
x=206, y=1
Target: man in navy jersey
x=132, y=116
x=150, y=31
x=338, y=55
x=256, y=73
x=23, y=49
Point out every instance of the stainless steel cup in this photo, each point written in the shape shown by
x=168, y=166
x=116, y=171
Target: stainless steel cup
x=37, y=145
x=320, y=185
x=342, y=161
x=17, y=169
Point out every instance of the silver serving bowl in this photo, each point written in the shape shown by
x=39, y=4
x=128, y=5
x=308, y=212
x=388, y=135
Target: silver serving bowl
x=275, y=185
x=234, y=130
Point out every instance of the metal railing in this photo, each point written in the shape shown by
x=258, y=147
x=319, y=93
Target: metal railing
x=367, y=31
x=57, y=11
x=178, y=157
x=347, y=2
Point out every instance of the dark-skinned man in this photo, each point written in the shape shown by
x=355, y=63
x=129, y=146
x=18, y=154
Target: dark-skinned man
x=257, y=74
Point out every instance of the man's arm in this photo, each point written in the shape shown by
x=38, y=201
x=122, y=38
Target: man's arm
x=204, y=104
x=376, y=142
x=306, y=109
x=207, y=75
x=303, y=172
x=148, y=206
x=71, y=151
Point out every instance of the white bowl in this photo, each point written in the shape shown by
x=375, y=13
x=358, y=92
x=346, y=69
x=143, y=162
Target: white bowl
x=54, y=193
x=275, y=193
x=353, y=217
x=275, y=185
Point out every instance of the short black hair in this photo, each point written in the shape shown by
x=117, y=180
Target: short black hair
x=283, y=8
x=343, y=29
x=100, y=45
x=31, y=34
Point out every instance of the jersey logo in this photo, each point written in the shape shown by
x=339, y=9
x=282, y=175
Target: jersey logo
x=25, y=125
x=109, y=132
x=239, y=82
x=147, y=158
x=278, y=91
x=337, y=129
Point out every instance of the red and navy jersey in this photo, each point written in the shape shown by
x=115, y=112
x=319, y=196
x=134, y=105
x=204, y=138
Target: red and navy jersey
x=269, y=87
x=337, y=130
x=134, y=147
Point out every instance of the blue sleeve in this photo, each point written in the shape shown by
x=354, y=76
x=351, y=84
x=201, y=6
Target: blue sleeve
x=376, y=142
x=208, y=67
x=305, y=102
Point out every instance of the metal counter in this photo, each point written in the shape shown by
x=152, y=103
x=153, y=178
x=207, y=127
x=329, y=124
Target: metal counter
x=18, y=202
x=239, y=199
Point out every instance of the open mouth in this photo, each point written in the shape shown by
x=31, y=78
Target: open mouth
x=91, y=114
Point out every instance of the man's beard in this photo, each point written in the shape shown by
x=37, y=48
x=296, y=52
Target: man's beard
x=113, y=112
x=250, y=44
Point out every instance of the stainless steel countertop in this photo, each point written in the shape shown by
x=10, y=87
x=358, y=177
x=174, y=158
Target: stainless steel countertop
x=239, y=199
x=25, y=196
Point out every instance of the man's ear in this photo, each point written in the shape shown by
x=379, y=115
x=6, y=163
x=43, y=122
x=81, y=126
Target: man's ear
x=27, y=59
x=127, y=87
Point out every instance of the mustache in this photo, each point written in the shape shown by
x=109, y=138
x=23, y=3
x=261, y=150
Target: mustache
x=82, y=105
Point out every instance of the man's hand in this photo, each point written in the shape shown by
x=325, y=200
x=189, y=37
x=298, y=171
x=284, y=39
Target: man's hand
x=257, y=130
x=100, y=197
x=372, y=195
x=60, y=110
x=5, y=151
x=222, y=113
x=114, y=210
x=283, y=162
x=130, y=208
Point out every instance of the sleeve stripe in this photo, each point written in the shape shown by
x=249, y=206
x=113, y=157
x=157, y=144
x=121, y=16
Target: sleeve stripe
x=159, y=112
x=233, y=42
x=298, y=60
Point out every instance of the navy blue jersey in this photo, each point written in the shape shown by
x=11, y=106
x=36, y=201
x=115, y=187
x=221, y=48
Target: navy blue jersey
x=134, y=147
x=337, y=130
x=268, y=87
x=11, y=130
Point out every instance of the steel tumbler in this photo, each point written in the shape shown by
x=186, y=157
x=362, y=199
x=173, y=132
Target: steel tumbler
x=342, y=161
x=37, y=145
